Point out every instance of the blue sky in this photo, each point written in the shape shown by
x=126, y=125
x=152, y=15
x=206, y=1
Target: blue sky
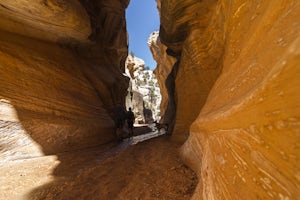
x=142, y=19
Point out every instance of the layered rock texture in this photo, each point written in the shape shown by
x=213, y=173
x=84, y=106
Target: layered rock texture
x=236, y=81
x=61, y=65
x=162, y=70
x=228, y=70
x=143, y=93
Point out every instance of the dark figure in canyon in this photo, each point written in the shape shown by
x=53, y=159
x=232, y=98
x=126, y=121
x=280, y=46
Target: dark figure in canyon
x=130, y=121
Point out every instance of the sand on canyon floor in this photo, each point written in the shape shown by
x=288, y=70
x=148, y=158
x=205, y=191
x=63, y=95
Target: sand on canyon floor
x=148, y=170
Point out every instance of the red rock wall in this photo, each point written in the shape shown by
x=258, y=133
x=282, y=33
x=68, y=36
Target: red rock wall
x=60, y=75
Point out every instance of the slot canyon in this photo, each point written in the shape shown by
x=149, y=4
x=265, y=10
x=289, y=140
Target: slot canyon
x=229, y=77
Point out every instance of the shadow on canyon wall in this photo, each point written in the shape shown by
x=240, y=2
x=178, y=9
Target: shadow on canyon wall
x=52, y=107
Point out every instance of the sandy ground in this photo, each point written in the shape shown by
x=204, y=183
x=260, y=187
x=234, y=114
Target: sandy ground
x=148, y=170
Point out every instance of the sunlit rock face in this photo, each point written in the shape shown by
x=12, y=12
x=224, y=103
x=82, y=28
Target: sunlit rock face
x=61, y=65
x=238, y=82
x=143, y=93
x=162, y=70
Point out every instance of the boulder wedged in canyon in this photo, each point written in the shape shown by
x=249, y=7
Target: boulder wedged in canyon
x=237, y=83
x=61, y=65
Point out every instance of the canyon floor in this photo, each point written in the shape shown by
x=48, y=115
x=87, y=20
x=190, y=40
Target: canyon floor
x=150, y=169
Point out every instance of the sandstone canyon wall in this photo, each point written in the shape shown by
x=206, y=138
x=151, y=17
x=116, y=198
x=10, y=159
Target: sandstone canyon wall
x=61, y=65
x=162, y=71
x=237, y=82
x=193, y=35
x=233, y=89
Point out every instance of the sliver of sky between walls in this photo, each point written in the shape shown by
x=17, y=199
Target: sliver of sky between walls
x=142, y=19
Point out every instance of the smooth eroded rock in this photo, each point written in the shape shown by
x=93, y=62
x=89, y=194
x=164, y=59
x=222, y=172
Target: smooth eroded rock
x=245, y=142
x=236, y=94
x=61, y=76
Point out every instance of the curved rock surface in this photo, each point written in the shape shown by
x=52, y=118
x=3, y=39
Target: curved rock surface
x=233, y=87
x=193, y=35
x=237, y=83
x=53, y=20
x=61, y=65
x=162, y=70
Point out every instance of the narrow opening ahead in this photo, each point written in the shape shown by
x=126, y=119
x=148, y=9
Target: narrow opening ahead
x=144, y=96
x=142, y=19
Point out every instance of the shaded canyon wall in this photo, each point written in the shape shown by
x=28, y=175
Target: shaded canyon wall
x=236, y=91
x=193, y=35
x=163, y=68
x=61, y=65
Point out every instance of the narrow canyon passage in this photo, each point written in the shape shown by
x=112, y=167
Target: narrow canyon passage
x=228, y=73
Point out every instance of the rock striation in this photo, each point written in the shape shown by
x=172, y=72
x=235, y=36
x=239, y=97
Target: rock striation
x=193, y=35
x=228, y=70
x=61, y=73
x=162, y=70
x=236, y=83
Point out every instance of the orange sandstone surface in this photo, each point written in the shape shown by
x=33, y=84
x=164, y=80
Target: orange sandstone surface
x=229, y=73
x=237, y=94
x=59, y=80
